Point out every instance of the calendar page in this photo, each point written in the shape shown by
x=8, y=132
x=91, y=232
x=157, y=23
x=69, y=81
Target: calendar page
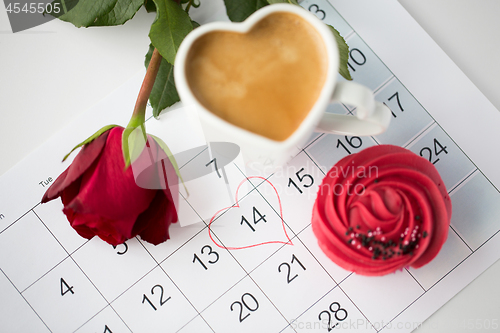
x=243, y=257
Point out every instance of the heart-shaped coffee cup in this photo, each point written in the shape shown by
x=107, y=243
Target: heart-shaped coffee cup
x=265, y=83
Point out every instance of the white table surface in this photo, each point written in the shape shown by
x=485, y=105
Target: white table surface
x=52, y=73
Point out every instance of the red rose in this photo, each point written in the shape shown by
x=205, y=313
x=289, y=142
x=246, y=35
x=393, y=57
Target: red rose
x=101, y=197
x=380, y=210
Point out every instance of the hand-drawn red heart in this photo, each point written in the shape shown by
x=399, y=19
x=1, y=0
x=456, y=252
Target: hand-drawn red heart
x=237, y=205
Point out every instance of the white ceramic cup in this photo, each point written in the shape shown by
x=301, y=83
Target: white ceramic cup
x=371, y=118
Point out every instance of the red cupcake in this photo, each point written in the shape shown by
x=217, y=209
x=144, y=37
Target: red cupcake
x=381, y=210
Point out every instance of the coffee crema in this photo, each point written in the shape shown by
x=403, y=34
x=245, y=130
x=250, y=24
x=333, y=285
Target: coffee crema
x=266, y=80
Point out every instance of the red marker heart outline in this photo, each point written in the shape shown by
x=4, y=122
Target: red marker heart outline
x=237, y=205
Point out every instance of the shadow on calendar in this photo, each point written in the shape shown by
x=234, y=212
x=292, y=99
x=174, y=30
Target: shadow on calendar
x=188, y=174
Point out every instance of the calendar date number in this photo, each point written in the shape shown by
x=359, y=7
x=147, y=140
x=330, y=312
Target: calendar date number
x=395, y=98
x=350, y=142
x=357, y=57
x=333, y=315
x=302, y=180
x=66, y=288
x=247, y=304
x=287, y=267
x=207, y=252
x=315, y=9
x=122, y=249
x=432, y=155
x=257, y=217
x=162, y=299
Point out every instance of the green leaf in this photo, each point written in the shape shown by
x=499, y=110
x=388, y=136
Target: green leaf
x=90, y=139
x=195, y=24
x=239, y=10
x=171, y=157
x=170, y=27
x=343, y=53
x=83, y=13
x=164, y=93
x=123, y=11
x=293, y=2
x=150, y=6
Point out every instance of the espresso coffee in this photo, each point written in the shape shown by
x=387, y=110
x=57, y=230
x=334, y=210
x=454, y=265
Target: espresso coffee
x=266, y=80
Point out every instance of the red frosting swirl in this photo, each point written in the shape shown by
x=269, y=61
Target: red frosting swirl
x=380, y=210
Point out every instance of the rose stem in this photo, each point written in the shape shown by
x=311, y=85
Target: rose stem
x=188, y=6
x=139, y=114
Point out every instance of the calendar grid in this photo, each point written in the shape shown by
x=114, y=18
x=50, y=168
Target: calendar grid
x=195, y=156
x=198, y=312
x=353, y=303
x=312, y=254
x=457, y=265
x=225, y=292
x=316, y=164
x=130, y=287
x=463, y=181
x=90, y=280
x=393, y=77
x=416, y=280
x=383, y=84
x=20, y=217
x=415, y=139
x=425, y=291
x=248, y=274
x=311, y=306
x=33, y=211
x=297, y=237
x=100, y=311
x=346, y=37
x=449, y=272
x=199, y=232
x=20, y=293
x=491, y=237
x=337, y=284
x=269, y=299
x=458, y=235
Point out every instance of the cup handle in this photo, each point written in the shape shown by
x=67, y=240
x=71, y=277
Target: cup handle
x=371, y=118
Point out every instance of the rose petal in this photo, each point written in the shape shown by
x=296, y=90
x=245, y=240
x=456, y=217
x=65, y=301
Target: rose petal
x=156, y=221
x=108, y=191
x=91, y=225
x=153, y=224
x=87, y=155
